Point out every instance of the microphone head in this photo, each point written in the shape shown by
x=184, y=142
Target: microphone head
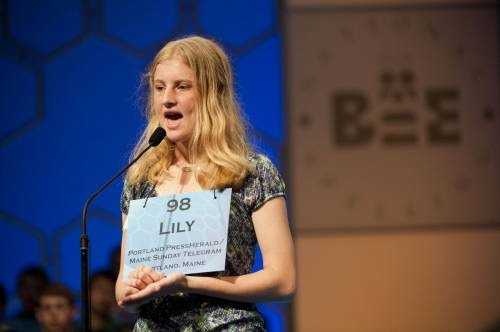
x=157, y=136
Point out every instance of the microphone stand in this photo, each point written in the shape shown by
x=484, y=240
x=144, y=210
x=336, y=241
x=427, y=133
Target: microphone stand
x=84, y=246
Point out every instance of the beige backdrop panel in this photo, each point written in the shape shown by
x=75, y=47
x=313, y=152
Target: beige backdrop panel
x=443, y=281
x=394, y=116
x=364, y=3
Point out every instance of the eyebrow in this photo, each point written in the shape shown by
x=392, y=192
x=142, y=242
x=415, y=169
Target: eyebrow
x=176, y=81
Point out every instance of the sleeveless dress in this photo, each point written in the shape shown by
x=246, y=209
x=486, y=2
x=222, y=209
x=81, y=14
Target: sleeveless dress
x=193, y=312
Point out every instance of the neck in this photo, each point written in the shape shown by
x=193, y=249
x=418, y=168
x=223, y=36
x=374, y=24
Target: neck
x=181, y=154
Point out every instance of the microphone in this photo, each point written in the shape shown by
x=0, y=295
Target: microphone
x=155, y=139
x=157, y=136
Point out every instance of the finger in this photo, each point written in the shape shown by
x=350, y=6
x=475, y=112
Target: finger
x=153, y=274
x=132, y=300
x=131, y=283
x=130, y=290
x=137, y=283
x=135, y=273
x=140, y=297
x=145, y=277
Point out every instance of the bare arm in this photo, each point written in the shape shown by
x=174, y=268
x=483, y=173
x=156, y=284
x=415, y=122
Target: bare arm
x=276, y=280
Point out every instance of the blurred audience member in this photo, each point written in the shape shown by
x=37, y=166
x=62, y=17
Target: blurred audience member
x=103, y=303
x=56, y=311
x=31, y=282
x=3, y=304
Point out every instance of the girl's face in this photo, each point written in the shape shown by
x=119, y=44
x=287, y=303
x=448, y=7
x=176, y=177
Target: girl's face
x=174, y=99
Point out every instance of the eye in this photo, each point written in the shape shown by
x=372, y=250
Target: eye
x=183, y=86
x=159, y=87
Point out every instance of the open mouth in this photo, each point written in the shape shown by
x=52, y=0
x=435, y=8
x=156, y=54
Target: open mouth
x=172, y=115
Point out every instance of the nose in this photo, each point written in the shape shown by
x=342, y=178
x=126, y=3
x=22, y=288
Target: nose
x=169, y=104
x=169, y=99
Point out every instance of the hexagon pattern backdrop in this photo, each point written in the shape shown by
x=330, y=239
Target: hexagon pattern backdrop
x=71, y=113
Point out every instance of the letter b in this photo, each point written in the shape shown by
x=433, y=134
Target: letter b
x=348, y=108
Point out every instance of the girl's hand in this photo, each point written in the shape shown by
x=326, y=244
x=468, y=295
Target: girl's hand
x=141, y=277
x=173, y=283
x=138, y=280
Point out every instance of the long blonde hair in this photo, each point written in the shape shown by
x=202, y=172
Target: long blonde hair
x=219, y=141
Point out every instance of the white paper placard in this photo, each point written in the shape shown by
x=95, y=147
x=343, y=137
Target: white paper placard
x=184, y=232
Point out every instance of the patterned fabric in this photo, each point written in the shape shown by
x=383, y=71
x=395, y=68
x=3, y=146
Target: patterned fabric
x=192, y=312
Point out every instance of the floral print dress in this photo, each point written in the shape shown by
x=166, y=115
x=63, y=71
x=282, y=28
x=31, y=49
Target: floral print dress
x=193, y=312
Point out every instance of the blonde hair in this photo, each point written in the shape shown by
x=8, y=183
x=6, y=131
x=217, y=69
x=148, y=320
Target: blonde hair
x=219, y=141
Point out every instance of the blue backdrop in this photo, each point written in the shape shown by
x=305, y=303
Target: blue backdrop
x=71, y=113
